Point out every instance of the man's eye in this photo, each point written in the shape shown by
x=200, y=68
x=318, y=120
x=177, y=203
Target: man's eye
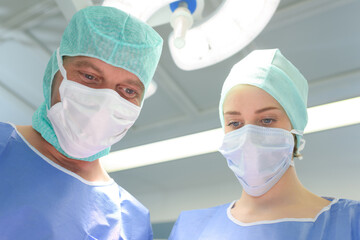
x=129, y=93
x=88, y=76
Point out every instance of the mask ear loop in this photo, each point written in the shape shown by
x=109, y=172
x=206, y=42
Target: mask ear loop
x=62, y=71
x=61, y=68
x=60, y=64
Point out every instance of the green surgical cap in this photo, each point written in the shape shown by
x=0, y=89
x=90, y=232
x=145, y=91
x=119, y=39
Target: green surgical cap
x=272, y=72
x=110, y=35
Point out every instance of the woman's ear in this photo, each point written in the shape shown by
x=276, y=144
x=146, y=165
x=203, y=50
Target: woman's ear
x=296, y=153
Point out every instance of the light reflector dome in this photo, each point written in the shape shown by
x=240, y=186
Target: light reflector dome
x=233, y=26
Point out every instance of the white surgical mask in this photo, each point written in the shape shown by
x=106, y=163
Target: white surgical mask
x=88, y=120
x=258, y=156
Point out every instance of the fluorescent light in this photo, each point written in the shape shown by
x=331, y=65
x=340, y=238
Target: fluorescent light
x=334, y=115
x=323, y=117
x=176, y=148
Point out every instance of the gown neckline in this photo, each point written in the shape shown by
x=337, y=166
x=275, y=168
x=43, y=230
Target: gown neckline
x=60, y=168
x=238, y=222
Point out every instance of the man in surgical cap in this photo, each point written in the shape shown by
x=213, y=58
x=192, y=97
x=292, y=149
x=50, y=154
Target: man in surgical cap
x=52, y=183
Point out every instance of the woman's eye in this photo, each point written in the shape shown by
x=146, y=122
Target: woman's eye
x=267, y=121
x=234, y=124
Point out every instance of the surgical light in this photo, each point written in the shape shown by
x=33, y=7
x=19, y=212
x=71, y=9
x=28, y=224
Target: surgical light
x=213, y=39
x=322, y=117
x=181, y=20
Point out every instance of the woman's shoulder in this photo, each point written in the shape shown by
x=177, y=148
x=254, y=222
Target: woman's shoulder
x=342, y=220
x=345, y=210
x=343, y=204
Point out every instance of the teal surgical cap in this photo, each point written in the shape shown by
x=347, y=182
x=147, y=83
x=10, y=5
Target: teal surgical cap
x=272, y=72
x=114, y=37
x=110, y=35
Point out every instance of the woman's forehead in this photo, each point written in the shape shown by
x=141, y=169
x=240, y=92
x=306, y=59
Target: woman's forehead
x=250, y=97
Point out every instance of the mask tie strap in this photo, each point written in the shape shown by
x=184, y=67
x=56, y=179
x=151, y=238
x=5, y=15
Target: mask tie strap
x=302, y=141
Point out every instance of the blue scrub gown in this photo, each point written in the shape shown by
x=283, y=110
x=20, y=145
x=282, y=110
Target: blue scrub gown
x=39, y=200
x=338, y=221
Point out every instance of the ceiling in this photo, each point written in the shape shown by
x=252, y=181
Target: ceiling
x=319, y=36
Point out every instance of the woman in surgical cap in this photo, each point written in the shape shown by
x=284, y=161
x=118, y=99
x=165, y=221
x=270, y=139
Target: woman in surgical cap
x=263, y=114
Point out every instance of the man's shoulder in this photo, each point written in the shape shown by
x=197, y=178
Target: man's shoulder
x=135, y=215
x=191, y=223
x=6, y=130
x=132, y=205
x=202, y=214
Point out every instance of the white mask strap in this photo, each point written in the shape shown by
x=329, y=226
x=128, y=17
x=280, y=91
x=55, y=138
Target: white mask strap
x=60, y=64
x=297, y=132
x=302, y=140
x=301, y=145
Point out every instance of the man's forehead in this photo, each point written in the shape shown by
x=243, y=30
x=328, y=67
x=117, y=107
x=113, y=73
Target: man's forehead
x=99, y=66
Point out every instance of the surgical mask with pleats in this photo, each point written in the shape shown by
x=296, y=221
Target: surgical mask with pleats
x=88, y=120
x=258, y=156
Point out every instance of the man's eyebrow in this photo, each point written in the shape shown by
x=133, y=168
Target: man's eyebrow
x=266, y=109
x=232, y=113
x=136, y=83
x=89, y=65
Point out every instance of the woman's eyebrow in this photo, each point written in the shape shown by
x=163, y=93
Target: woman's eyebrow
x=266, y=109
x=89, y=65
x=232, y=113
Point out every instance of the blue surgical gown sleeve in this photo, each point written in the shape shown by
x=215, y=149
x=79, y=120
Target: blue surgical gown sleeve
x=339, y=220
x=41, y=200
